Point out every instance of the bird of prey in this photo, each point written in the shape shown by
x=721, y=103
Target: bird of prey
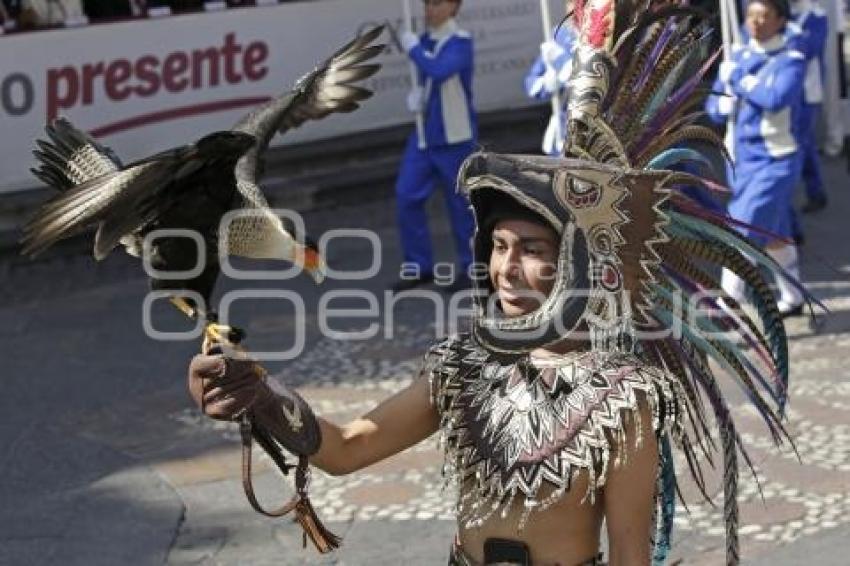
x=194, y=186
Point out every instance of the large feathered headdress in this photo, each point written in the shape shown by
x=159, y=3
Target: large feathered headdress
x=638, y=268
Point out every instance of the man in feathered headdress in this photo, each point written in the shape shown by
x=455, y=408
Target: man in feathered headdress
x=594, y=324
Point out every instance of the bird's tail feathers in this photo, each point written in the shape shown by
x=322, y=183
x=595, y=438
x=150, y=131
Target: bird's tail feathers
x=116, y=230
x=71, y=212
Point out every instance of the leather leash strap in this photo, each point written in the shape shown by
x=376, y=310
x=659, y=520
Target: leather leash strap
x=245, y=429
x=323, y=539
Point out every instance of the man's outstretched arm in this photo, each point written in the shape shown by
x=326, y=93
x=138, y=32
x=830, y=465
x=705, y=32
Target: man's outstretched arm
x=397, y=423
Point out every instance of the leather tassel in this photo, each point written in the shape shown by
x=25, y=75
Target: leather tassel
x=324, y=540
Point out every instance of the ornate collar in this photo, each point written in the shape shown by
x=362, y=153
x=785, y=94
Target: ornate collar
x=511, y=428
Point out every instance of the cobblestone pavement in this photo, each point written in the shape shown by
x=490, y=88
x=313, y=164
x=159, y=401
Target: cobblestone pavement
x=105, y=462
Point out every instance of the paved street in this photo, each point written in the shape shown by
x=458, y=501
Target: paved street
x=104, y=462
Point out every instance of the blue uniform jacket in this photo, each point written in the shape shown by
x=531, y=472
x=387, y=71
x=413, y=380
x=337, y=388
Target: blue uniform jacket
x=767, y=85
x=534, y=87
x=445, y=62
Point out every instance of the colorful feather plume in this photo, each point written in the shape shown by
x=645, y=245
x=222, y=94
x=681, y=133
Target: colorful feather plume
x=644, y=96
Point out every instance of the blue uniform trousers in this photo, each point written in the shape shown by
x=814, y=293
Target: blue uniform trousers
x=811, y=171
x=812, y=178
x=420, y=171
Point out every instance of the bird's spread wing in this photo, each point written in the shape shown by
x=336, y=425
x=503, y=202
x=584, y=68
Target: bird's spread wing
x=331, y=87
x=328, y=89
x=120, y=201
x=71, y=157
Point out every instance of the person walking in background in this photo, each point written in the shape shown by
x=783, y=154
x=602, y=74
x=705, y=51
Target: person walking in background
x=9, y=14
x=833, y=112
x=549, y=74
x=443, y=56
x=765, y=78
x=813, y=25
x=807, y=33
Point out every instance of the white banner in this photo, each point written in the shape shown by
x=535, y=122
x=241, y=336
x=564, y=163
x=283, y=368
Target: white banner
x=143, y=86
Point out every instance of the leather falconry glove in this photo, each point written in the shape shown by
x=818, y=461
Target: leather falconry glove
x=228, y=388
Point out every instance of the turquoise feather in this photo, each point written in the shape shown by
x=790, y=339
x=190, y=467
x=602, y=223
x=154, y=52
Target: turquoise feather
x=697, y=48
x=745, y=330
x=761, y=298
x=730, y=439
x=685, y=227
x=707, y=346
x=669, y=157
x=707, y=229
x=667, y=496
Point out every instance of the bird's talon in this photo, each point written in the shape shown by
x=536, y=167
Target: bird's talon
x=184, y=306
x=216, y=333
x=236, y=335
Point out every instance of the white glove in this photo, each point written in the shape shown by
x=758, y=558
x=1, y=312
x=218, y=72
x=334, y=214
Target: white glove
x=725, y=105
x=409, y=40
x=749, y=82
x=550, y=80
x=415, y=99
x=565, y=73
x=724, y=73
x=550, y=51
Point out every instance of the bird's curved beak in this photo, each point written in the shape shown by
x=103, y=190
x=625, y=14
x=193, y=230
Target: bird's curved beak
x=311, y=261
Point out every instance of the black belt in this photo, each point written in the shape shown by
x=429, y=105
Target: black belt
x=457, y=557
